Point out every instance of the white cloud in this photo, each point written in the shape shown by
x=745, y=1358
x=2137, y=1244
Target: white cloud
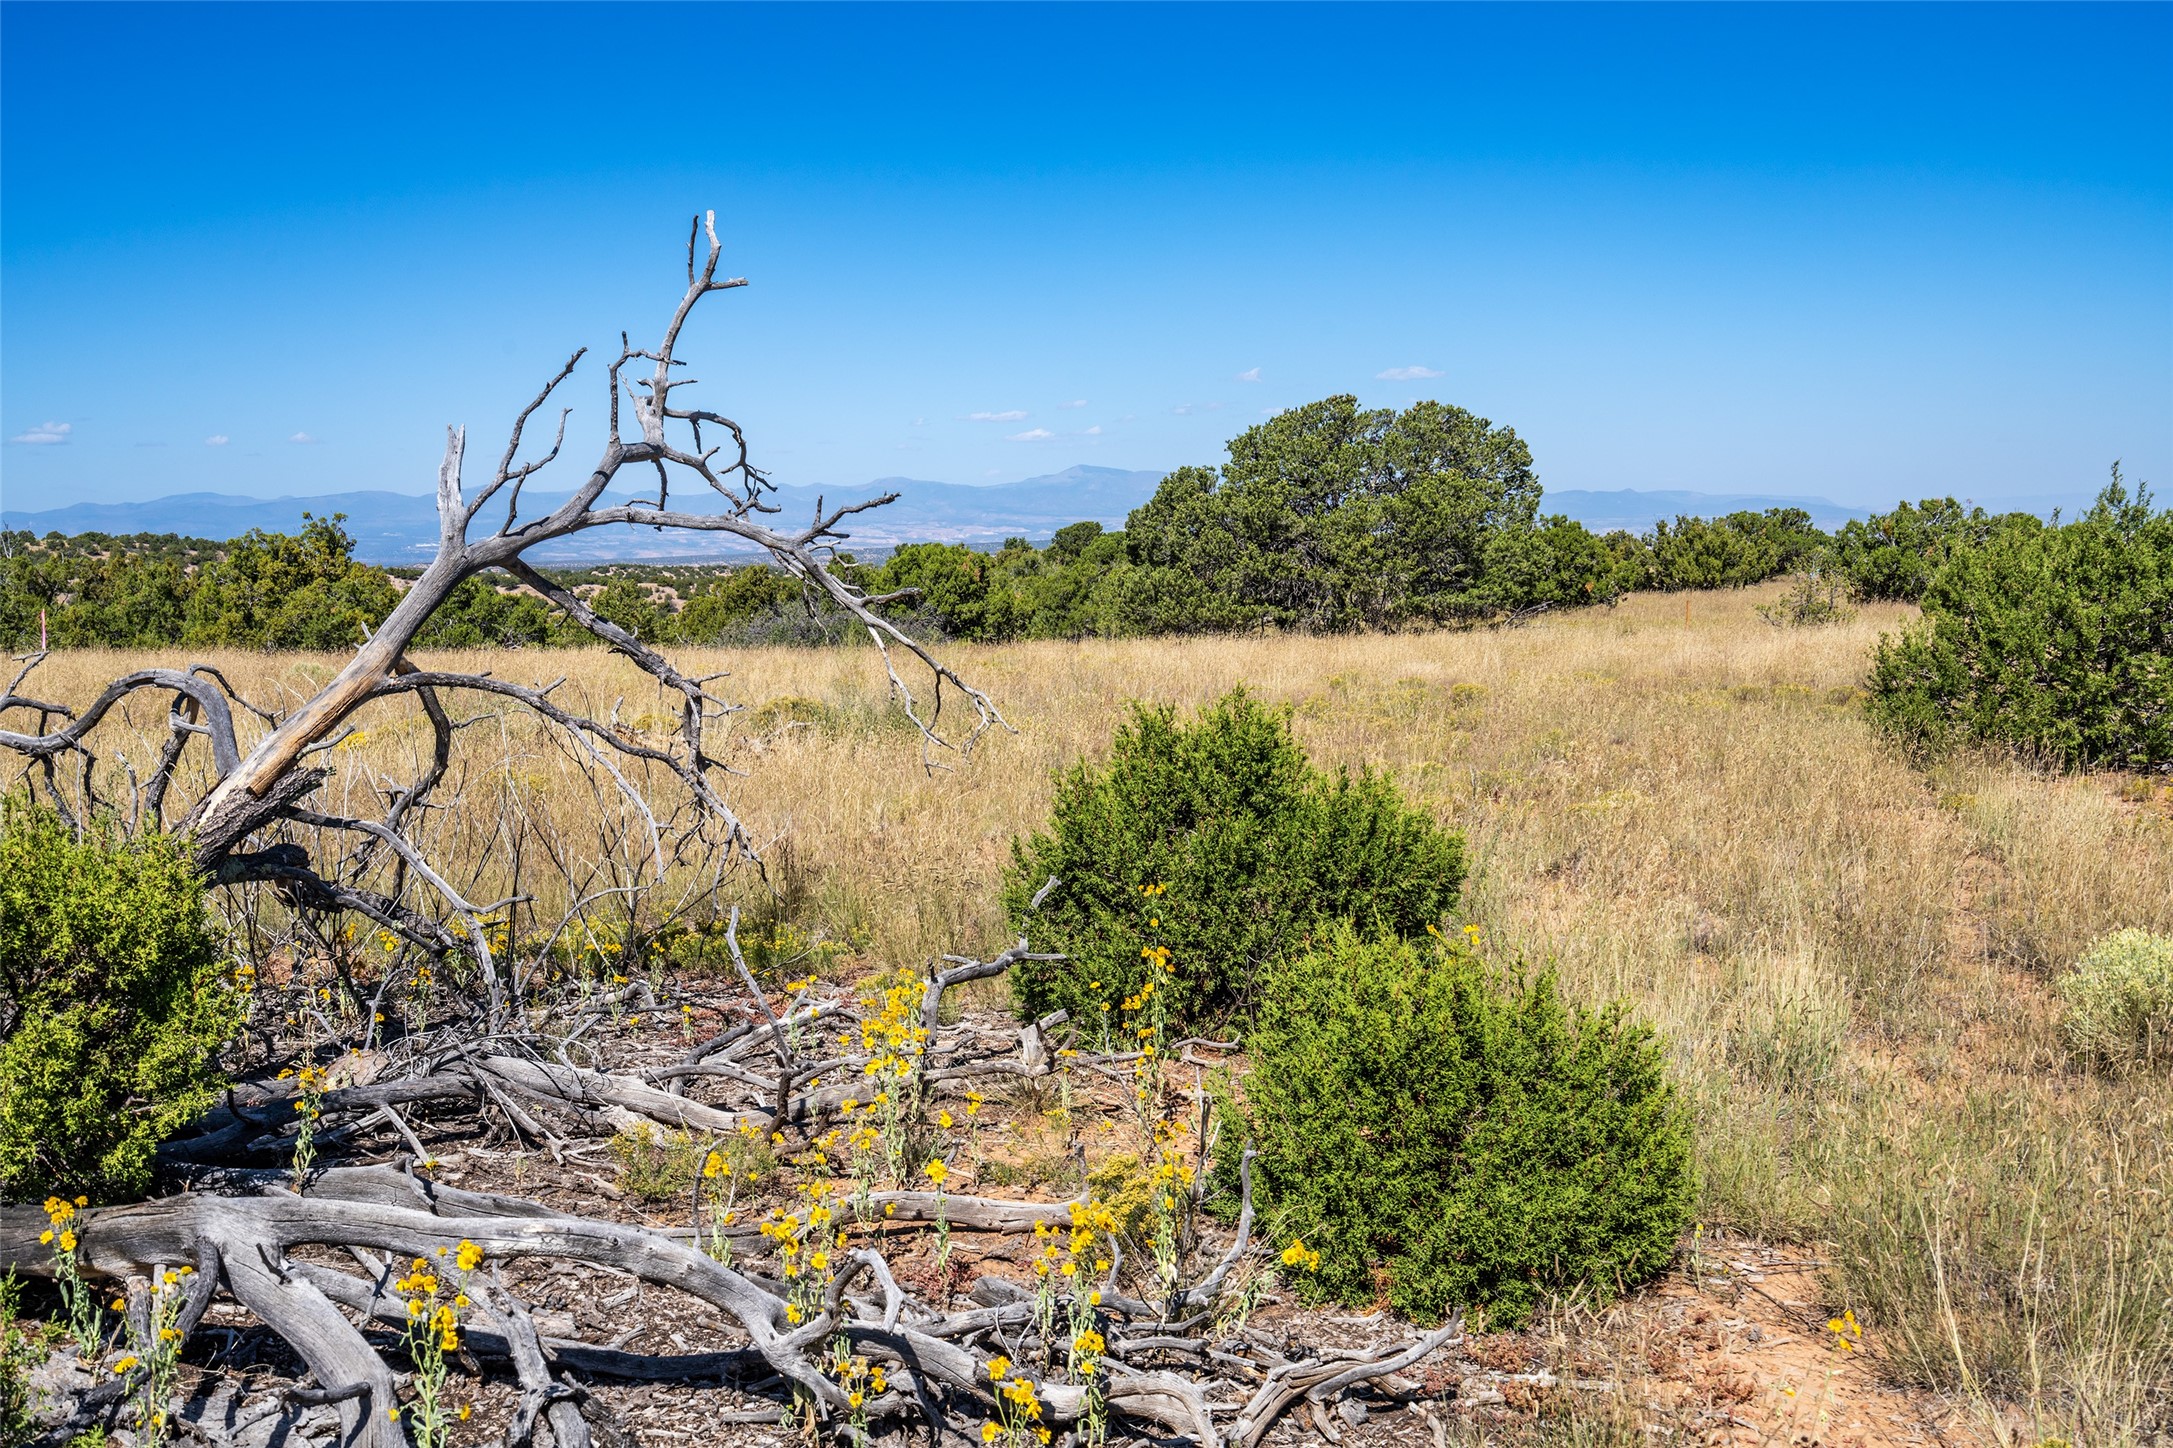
x=1407, y=374
x=217, y=439
x=993, y=472
x=302, y=437
x=1075, y=402
x=1250, y=374
x=1013, y=416
x=920, y=422
x=1032, y=434
x=1094, y=431
x=46, y=434
x=1186, y=409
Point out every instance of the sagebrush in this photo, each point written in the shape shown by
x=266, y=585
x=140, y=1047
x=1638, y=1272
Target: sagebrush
x=2118, y=1000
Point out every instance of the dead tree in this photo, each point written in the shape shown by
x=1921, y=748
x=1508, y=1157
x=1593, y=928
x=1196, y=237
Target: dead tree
x=651, y=431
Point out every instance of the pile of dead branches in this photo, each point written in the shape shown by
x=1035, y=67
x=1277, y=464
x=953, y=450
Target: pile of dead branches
x=1172, y=1355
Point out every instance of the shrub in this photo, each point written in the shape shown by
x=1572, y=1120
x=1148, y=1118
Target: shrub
x=111, y=1005
x=719, y=609
x=1475, y=1136
x=1730, y=552
x=789, y=712
x=476, y=615
x=1556, y=563
x=276, y=591
x=2056, y=641
x=1256, y=850
x=1126, y=1187
x=1894, y=555
x=655, y=1166
x=1813, y=598
x=2118, y=1000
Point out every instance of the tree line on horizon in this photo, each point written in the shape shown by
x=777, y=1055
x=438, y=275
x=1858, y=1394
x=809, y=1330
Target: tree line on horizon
x=1325, y=518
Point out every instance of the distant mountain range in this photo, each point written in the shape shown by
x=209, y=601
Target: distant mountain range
x=402, y=527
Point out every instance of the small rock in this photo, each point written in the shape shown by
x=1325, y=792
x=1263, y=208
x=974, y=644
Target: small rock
x=1351, y=1411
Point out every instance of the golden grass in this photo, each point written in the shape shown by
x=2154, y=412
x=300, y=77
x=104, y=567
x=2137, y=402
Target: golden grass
x=1848, y=956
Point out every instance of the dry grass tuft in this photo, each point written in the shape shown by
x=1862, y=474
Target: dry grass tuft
x=1850, y=958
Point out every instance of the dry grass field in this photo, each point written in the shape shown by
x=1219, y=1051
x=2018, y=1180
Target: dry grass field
x=1849, y=956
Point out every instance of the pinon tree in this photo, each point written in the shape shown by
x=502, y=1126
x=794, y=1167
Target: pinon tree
x=238, y=785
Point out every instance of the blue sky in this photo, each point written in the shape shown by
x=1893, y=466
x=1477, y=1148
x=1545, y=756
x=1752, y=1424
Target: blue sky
x=1854, y=252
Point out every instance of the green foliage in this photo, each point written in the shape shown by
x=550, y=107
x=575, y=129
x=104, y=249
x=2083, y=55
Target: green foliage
x=955, y=588
x=111, y=1004
x=1483, y=1142
x=1894, y=555
x=1257, y=850
x=1073, y=540
x=656, y=1166
x=479, y=615
x=633, y=607
x=1329, y=518
x=275, y=591
x=260, y=591
x=95, y=588
x=2117, y=1003
x=2055, y=641
x=1559, y=564
x=720, y=610
x=1731, y=552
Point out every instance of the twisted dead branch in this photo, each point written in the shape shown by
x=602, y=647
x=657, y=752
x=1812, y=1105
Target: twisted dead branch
x=257, y=786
